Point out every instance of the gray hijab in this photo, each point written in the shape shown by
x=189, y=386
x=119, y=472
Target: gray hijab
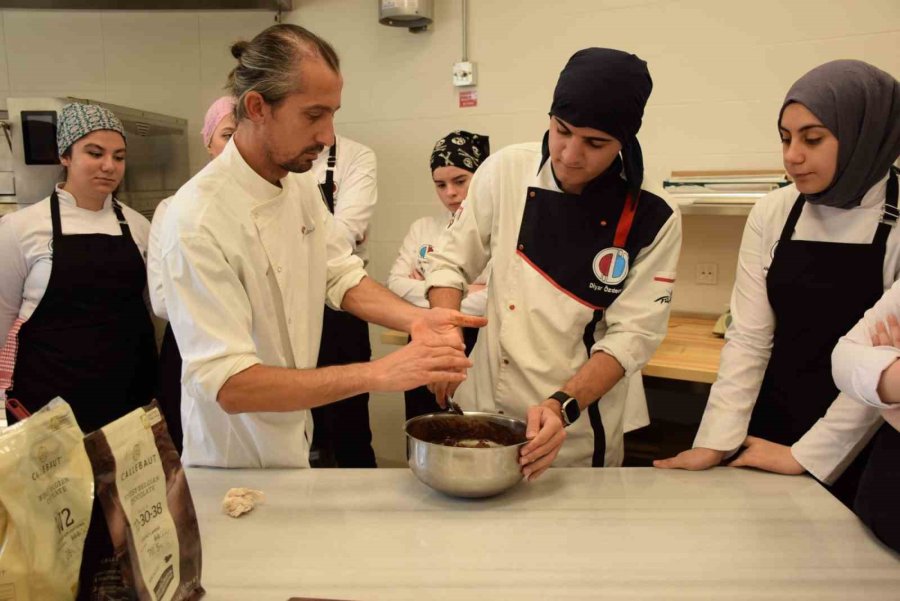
x=860, y=105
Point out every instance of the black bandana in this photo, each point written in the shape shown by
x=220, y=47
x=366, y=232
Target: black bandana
x=460, y=149
x=607, y=90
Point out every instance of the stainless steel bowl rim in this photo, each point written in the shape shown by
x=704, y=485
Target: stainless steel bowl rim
x=465, y=414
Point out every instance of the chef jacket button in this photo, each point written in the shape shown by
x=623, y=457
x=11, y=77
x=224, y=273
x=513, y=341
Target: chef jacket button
x=531, y=194
x=506, y=362
x=521, y=247
x=278, y=269
x=512, y=307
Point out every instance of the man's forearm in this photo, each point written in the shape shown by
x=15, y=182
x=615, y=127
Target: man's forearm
x=374, y=303
x=594, y=379
x=449, y=298
x=275, y=389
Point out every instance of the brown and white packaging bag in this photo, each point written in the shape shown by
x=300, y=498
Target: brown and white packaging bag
x=46, y=494
x=142, y=487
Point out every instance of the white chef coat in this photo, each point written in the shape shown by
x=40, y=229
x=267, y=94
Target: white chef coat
x=154, y=261
x=419, y=243
x=857, y=365
x=829, y=446
x=535, y=338
x=355, y=179
x=247, y=268
x=26, y=256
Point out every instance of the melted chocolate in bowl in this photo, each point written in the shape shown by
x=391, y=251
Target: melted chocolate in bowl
x=471, y=455
x=466, y=431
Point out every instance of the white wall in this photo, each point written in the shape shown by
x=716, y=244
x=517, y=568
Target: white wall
x=720, y=70
x=167, y=62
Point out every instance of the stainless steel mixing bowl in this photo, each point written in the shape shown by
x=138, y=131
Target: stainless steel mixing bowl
x=465, y=471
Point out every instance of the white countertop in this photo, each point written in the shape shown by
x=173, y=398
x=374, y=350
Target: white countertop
x=621, y=534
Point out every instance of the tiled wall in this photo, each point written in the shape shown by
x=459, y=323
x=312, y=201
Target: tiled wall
x=168, y=62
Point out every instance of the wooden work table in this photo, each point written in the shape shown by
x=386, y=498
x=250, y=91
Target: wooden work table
x=690, y=351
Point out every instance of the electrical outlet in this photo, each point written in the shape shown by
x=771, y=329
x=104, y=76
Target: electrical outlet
x=707, y=273
x=464, y=74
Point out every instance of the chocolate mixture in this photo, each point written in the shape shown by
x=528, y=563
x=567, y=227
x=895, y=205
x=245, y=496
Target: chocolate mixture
x=466, y=431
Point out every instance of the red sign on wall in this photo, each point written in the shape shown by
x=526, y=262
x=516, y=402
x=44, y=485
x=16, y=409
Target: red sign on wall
x=468, y=98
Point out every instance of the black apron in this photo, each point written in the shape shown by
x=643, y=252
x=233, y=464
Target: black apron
x=341, y=434
x=90, y=341
x=879, y=488
x=168, y=390
x=584, y=245
x=818, y=291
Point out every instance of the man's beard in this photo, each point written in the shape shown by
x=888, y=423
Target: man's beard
x=299, y=164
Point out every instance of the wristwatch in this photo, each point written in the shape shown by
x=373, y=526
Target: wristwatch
x=570, y=409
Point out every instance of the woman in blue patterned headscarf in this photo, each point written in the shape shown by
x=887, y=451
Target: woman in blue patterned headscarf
x=72, y=289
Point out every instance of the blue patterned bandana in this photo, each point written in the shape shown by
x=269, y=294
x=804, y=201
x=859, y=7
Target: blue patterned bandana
x=77, y=120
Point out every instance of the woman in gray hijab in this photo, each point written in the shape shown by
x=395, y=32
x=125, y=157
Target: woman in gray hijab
x=814, y=256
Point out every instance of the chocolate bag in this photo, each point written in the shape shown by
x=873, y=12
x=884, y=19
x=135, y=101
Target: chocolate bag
x=142, y=487
x=46, y=494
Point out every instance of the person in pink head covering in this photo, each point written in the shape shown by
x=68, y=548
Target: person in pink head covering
x=218, y=126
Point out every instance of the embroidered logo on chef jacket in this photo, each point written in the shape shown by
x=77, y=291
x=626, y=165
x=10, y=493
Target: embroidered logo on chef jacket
x=611, y=265
x=425, y=250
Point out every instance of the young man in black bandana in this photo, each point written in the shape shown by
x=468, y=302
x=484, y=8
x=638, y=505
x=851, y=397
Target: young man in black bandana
x=583, y=268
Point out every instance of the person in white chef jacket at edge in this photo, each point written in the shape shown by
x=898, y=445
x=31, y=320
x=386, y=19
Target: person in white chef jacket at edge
x=347, y=173
x=218, y=126
x=250, y=254
x=865, y=366
x=454, y=160
x=814, y=256
x=582, y=267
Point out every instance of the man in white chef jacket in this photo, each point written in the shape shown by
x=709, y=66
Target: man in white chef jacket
x=583, y=268
x=250, y=255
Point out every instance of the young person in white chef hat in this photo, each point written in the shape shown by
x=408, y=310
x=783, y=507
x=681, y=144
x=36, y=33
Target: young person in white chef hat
x=454, y=160
x=250, y=255
x=74, y=283
x=815, y=255
x=582, y=267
